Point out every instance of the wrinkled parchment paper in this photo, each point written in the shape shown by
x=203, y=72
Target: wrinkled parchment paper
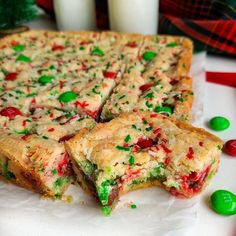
x=157, y=212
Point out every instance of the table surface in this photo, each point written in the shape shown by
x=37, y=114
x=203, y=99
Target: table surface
x=219, y=100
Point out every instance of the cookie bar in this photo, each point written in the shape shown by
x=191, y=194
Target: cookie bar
x=52, y=84
x=38, y=164
x=32, y=152
x=140, y=149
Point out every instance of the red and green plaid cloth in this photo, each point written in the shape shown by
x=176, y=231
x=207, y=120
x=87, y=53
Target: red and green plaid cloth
x=210, y=23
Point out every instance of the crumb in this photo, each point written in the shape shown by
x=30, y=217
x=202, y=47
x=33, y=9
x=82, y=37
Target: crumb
x=130, y=205
x=133, y=206
x=67, y=198
x=82, y=202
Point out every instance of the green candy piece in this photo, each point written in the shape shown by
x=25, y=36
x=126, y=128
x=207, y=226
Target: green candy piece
x=131, y=160
x=103, y=192
x=23, y=58
x=106, y=210
x=219, y=123
x=149, y=55
x=164, y=110
x=45, y=79
x=25, y=131
x=52, y=67
x=67, y=96
x=224, y=202
x=18, y=48
x=6, y=172
x=97, y=52
x=171, y=45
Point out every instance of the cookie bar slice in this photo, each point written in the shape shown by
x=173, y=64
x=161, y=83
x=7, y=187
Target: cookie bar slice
x=152, y=91
x=35, y=163
x=32, y=152
x=141, y=149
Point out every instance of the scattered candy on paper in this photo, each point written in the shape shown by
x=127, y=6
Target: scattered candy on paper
x=230, y=147
x=219, y=123
x=224, y=202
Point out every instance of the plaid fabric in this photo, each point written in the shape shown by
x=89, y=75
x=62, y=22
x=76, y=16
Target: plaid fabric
x=210, y=23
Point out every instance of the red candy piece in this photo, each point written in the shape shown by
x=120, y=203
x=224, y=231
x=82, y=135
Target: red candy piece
x=14, y=43
x=26, y=136
x=11, y=76
x=62, y=168
x=93, y=114
x=131, y=45
x=145, y=143
x=10, y=112
x=110, y=75
x=165, y=148
x=190, y=154
x=57, y=47
x=83, y=104
x=66, y=138
x=145, y=87
x=230, y=147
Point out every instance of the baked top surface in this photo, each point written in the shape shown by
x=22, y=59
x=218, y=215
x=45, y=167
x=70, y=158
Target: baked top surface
x=54, y=84
x=78, y=71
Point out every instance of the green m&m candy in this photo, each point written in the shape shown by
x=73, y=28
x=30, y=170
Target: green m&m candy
x=224, y=202
x=67, y=96
x=171, y=45
x=149, y=55
x=164, y=110
x=45, y=79
x=96, y=51
x=219, y=123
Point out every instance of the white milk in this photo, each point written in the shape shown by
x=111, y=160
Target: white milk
x=134, y=16
x=75, y=14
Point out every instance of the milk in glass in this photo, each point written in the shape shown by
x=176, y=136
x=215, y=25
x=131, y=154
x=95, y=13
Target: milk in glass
x=134, y=16
x=75, y=14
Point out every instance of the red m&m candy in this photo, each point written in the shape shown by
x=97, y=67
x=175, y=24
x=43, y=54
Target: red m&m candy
x=10, y=112
x=230, y=147
x=145, y=87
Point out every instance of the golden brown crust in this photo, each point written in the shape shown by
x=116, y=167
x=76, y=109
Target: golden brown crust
x=185, y=60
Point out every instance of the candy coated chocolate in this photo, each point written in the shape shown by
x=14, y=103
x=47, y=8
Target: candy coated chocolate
x=219, y=123
x=223, y=202
x=230, y=147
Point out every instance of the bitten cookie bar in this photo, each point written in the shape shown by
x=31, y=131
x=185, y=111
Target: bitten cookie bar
x=142, y=149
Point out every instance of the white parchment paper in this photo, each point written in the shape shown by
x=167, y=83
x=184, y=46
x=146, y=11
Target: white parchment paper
x=157, y=212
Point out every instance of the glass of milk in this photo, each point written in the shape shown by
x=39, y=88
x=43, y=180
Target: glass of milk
x=73, y=15
x=134, y=16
